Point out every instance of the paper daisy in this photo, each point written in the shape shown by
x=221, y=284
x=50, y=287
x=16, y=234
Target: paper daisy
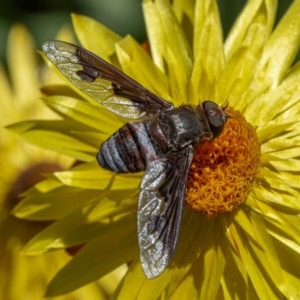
x=239, y=233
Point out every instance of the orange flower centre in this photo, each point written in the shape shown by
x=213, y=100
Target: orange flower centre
x=223, y=169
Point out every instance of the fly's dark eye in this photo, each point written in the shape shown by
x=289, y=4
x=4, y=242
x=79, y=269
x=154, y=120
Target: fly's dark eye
x=216, y=117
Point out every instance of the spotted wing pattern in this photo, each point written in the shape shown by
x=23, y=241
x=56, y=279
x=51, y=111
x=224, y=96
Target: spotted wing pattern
x=160, y=208
x=103, y=82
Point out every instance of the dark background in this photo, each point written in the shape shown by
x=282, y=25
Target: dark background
x=44, y=17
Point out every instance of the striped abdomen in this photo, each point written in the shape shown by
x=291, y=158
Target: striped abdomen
x=129, y=149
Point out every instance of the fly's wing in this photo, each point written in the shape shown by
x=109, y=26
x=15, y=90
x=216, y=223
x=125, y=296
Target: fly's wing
x=103, y=82
x=160, y=208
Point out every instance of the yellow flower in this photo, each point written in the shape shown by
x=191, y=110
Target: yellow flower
x=24, y=277
x=246, y=179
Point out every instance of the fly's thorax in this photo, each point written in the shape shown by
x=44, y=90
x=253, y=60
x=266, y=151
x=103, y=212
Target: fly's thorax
x=185, y=125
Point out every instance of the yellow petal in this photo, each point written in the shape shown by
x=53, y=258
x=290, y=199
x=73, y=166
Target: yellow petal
x=257, y=249
x=208, y=52
x=107, y=252
x=94, y=36
x=22, y=64
x=73, y=228
x=98, y=179
x=46, y=134
x=279, y=105
x=281, y=48
x=39, y=205
x=138, y=64
x=169, y=47
x=272, y=197
x=254, y=13
x=243, y=49
x=136, y=286
x=95, y=116
x=272, y=130
x=183, y=9
x=6, y=93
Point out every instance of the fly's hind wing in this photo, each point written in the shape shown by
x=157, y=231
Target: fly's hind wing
x=160, y=209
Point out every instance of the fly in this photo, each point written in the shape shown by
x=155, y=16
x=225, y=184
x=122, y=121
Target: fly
x=161, y=143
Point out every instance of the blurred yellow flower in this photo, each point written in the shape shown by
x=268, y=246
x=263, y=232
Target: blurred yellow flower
x=21, y=164
x=249, y=252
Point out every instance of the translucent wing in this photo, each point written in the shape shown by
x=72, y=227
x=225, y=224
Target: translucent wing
x=103, y=82
x=160, y=208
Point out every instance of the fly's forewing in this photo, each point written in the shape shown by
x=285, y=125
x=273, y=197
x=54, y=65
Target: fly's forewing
x=160, y=209
x=103, y=82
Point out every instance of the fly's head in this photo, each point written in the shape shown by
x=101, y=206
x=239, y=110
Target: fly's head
x=216, y=117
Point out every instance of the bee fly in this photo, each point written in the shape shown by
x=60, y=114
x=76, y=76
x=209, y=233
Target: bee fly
x=161, y=143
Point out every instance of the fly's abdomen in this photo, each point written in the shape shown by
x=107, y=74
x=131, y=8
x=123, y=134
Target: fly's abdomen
x=128, y=150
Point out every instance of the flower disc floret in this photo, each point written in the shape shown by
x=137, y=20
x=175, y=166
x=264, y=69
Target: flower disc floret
x=223, y=169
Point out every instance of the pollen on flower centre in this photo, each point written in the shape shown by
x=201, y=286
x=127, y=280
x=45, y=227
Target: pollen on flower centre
x=223, y=169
